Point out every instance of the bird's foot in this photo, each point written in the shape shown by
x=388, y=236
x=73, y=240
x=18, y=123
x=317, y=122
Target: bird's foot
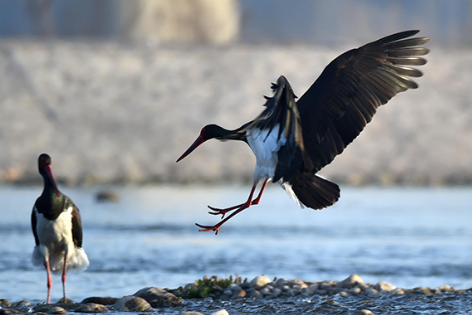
x=217, y=211
x=208, y=228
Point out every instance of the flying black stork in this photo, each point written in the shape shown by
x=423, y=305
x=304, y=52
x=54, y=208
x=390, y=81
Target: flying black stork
x=57, y=230
x=293, y=140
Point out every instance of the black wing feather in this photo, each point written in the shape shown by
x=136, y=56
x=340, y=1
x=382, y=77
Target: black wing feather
x=76, y=223
x=346, y=95
x=33, y=226
x=281, y=109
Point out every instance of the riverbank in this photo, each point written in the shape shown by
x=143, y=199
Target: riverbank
x=263, y=296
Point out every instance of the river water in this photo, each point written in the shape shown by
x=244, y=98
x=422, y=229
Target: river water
x=407, y=236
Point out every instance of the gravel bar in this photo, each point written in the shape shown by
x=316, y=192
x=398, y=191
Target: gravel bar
x=263, y=296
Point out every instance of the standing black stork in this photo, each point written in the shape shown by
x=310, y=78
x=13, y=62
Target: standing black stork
x=57, y=230
x=292, y=140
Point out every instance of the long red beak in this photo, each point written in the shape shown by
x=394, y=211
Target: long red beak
x=197, y=142
x=51, y=178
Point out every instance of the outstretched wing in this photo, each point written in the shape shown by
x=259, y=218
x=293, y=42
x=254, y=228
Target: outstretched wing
x=341, y=102
x=281, y=110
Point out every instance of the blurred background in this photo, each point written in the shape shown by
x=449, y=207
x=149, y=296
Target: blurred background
x=115, y=91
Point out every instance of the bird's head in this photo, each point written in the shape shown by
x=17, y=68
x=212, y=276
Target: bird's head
x=44, y=166
x=208, y=132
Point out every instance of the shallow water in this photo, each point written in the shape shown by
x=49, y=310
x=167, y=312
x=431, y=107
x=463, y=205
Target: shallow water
x=407, y=236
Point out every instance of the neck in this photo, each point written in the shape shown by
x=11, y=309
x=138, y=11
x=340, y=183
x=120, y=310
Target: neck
x=50, y=187
x=225, y=134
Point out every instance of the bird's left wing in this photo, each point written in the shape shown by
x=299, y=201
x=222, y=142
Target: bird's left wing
x=76, y=223
x=281, y=110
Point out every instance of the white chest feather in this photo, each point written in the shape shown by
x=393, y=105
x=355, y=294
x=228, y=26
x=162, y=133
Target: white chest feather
x=265, y=146
x=55, y=234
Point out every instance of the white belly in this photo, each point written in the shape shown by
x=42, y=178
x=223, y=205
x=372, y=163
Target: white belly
x=265, y=146
x=55, y=238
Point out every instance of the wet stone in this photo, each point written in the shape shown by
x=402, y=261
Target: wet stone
x=132, y=304
x=371, y=292
x=220, y=312
x=158, y=297
x=355, y=291
x=240, y=294
x=191, y=313
x=100, y=300
x=56, y=310
x=5, y=303
x=398, y=291
x=10, y=311
x=66, y=301
x=91, y=308
x=364, y=312
x=22, y=302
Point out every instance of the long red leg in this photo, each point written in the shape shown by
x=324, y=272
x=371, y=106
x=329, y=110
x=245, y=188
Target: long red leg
x=49, y=281
x=256, y=201
x=64, y=278
x=247, y=204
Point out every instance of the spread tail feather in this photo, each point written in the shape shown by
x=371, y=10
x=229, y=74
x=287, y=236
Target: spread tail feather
x=313, y=191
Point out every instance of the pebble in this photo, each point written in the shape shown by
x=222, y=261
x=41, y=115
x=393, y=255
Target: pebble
x=220, y=312
x=384, y=286
x=131, y=304
x=91, y=308
x=147, y=299
x=56, y=310
x=365, y=312
x=259, y=281
x=158, y=297
x=350, y=281
x=4, y=303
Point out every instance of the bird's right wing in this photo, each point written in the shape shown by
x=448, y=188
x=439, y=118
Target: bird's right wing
x=341, y=102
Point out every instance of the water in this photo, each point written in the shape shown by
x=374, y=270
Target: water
x=407, y=236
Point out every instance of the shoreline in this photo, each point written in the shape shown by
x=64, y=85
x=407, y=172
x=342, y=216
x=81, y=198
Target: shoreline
x=261, y=295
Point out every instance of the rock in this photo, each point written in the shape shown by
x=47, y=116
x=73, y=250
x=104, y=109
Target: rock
x=234, y=287
x=256, y=294
x=343, y=293
x=56, y=310
x=259, y=281
x=240, y=294
x=285, y=288
x=364, y=312
x=190, y=286
x=266, y=291
x=131, y=304
x=398, y=291
x=158, y=297
x=107, y=196
x=355, y=291
x=275, y=293
x=9, y=311
x=100, y=300
x=422, y=290
x=371, y=291
x=384, y=286
x=22, y=302
x=5, y=303
x=66, y=301
x=220, y=312
x=445, y=288
x=350, y=282
x=191, y=313
x=91, y=308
